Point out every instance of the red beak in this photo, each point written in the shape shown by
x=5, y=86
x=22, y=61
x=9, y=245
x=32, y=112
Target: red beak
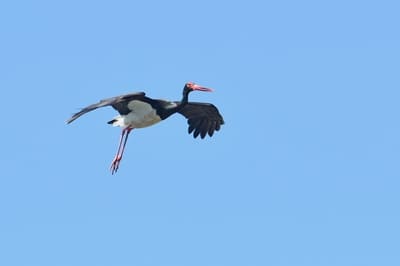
x=200, y=88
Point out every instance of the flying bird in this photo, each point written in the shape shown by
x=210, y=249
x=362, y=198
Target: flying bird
x=136, y=110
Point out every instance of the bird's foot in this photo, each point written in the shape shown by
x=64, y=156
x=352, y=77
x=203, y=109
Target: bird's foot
x=115, y=164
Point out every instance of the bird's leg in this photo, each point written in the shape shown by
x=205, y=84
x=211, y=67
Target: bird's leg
x=125, y=140
x=121, y=147
x=117, y=158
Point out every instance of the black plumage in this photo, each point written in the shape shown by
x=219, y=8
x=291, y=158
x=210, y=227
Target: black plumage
x=136, y=111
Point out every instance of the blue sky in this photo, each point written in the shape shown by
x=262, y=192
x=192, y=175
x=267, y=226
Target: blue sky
x=304, y=172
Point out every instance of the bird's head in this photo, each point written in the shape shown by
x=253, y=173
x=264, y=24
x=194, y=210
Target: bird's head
x=191, y=86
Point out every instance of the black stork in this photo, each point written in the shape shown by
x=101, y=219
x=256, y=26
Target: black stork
x=138, y=111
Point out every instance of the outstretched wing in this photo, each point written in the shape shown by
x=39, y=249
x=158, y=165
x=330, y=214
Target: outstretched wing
x=202, y=118
x=119, y=103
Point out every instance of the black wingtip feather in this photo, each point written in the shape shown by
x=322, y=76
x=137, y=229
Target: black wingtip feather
x=115, y=102
x=203, y=119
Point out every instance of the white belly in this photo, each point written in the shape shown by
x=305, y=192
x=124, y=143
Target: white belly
x=142, y=115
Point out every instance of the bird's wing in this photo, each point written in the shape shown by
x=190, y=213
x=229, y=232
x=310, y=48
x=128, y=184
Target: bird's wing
x=117, y=102
x=202, y=118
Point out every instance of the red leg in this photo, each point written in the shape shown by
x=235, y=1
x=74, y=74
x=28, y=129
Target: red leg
x=125, y=140
x=123, y=133
x=121, y=148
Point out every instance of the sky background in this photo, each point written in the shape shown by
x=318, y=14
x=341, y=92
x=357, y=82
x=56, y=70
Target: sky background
x=304, y=172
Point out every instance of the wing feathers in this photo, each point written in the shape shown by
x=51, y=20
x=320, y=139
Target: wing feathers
x=119, y=103
x=203, y=118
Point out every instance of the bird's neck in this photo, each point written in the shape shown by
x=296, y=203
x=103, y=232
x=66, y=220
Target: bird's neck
x=174, y=107
x=185, y=98
x=184, y=101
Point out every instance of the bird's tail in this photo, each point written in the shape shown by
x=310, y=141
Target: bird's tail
x=116, y=122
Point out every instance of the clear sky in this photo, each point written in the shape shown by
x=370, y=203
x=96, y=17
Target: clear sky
x=304, y=172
